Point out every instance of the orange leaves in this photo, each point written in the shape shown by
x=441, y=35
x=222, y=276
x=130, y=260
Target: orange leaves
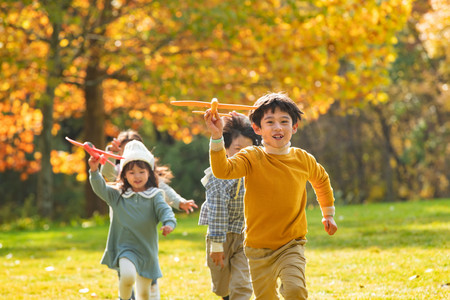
x=20, y=123
x=69, y=163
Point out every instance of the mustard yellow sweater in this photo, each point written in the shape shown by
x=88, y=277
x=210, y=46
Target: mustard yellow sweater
x=275, y=198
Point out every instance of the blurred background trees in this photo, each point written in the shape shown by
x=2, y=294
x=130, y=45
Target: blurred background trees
x=371, y=76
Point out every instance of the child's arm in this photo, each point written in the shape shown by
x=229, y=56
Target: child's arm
x=165, y=214
x=217, y=193
x=320, y=181
x=175, y=200
x=106, y=193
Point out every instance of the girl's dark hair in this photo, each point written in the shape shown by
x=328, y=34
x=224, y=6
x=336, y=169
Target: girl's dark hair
x=152, y=177
x=237, y=126
x=270, y=102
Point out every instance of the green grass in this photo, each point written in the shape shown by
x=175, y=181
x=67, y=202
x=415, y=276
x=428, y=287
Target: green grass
x=381, y=251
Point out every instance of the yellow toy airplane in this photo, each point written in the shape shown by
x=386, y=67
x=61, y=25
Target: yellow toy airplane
x=214, y=105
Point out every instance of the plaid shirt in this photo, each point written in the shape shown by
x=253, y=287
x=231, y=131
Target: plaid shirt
x=223, y=210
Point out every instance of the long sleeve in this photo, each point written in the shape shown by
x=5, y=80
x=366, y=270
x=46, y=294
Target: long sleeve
x=105, y=192
x=320, y=181
x=229, y=168
x=172, y=198
x=164, y=212
x=217, y=196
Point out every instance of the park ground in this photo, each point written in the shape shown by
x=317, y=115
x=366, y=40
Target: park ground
x=381, y=251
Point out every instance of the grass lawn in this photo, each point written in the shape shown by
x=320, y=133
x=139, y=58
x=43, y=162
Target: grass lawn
x=381, y=251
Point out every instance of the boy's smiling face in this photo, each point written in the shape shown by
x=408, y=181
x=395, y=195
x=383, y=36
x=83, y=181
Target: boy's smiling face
x=276, y=128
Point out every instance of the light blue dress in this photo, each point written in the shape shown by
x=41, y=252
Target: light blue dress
x=133, y=231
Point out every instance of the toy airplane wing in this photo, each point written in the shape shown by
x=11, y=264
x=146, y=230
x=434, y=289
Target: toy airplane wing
x=89, y=147
x=214, y=105
x=209, y=105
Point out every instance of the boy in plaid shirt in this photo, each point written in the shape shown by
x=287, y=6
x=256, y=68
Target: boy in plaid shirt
x=223, y=212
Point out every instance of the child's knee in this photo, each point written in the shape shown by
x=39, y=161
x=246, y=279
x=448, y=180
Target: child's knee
x=291, y=290
x=143, y=294
x=127, y=279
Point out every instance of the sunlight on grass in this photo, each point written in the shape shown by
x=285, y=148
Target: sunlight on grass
x=381, y=251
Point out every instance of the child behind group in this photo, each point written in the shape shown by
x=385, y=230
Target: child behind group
x=137, y=207
x=223, y=212
x=275, y=199
x=171, y=196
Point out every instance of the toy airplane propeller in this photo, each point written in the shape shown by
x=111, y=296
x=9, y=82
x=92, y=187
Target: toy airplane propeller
x=94, y=152
x=214, y=105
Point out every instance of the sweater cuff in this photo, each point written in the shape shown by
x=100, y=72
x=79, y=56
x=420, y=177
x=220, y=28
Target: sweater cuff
x=170, y=223
x=216, y=146
x=328, y=211
x=216, y=247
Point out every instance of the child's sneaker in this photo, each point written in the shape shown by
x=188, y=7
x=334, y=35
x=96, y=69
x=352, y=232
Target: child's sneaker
x=154, y=292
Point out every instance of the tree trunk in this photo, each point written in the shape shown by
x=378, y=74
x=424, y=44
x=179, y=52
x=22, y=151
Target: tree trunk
x=44, y=194
x=44, y=197
x=94, y=125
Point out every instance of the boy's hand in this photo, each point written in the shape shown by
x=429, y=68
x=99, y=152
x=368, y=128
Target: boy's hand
x=217, y=258
x=214, y=124
x=93, y=163
x=166, y=230
x=329, y=224
x=188, y=206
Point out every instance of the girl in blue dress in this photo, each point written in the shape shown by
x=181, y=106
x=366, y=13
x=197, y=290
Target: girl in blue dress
x=137, y=208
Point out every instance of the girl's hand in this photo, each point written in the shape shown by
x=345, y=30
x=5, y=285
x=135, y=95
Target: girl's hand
x=214, y=124
x=93, y=163
x=329, y=224
x=166, y=230
x=188, y=206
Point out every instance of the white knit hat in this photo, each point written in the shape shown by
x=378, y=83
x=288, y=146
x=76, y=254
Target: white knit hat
x=135, y=150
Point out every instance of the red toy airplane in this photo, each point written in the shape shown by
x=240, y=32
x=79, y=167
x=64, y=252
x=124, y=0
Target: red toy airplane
x=214, y=105
x=94, y=152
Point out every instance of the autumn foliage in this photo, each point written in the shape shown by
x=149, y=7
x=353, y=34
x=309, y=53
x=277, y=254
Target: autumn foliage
x=146, y=53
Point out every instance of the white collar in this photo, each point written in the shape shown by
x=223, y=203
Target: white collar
x=205, y=179
x=148, y=193
x=272, y=150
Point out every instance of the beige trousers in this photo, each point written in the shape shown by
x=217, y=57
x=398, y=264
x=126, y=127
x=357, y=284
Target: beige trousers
x=287, y=263
x=233, y=279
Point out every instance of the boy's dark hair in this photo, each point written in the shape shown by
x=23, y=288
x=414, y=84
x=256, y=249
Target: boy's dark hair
x=236, y=126
x=152, y=177
x=272, y=101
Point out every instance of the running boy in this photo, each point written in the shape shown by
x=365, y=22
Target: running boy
x=223, y=212
x=275, y=200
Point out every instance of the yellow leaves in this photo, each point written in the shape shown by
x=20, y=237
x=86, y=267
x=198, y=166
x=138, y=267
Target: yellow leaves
x=64, y=43
x=136, y=114
x=434, y=34
x=4, y=86
x=69, y=163
x=287, y=80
